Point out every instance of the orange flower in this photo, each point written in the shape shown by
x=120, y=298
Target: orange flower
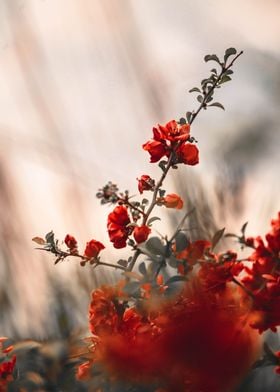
x=172, y=201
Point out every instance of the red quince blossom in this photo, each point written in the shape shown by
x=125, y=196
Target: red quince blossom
x=141, y=233
x=70, y=242
x=93, y=248
x=200, y=336
x=194, y=252
x=6, y=373
x=172, y=131
x=172, y=201
x=262, y=279
x=172, y=137
x=156, y=149
x=145, y=183
x=117, y=227
x=188, y=154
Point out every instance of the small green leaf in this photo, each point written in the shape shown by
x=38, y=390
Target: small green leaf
x=50, y=238
x=214, y=71
x=175, y=279
x=212, y=57
x=225, y=78
x=194, y=89
x=243, y=228
x=162, y=165
x=155, y=246
x=231, y=235
x=181, y=241
x=229, y=52
x=161, y=192
x=216, y=237
x=217, y=104
x=199, y=98
x=153, y=219
x=182, y=121
x=142, y=268
x=122, y=262
x=145, y=201
x=189, y=116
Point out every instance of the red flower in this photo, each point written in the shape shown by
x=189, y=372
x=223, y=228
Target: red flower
x=172, y=131
x=188, y=154
x=7, y=368
x=141, y=233
x=84, y=371
x=156, y=149
x=194, y=252
x=172, y=201
x=145, y=183
x=93, y=248
x=70, y=242
x=117, y=223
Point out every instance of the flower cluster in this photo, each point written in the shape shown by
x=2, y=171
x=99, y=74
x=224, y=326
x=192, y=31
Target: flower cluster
x=263, y=278
x=172, y=138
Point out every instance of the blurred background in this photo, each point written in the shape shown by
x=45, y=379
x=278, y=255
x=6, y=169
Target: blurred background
x=82, y=84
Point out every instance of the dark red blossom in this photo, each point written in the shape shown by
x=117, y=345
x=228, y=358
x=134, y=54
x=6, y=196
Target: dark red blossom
x=93, y=248
x=262, y=279
x=70, y=242
x=6, y=371
x=141, y=233
x=117, y=225
x=156, y=149
x=145, y=183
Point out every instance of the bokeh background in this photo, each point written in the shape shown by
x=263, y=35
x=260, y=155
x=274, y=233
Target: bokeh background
x=82, y=84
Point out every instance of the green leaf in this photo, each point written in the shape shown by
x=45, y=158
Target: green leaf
x=231, y=235
x=216, y=237
x=189, y=116
x=155, y=246
x=162, y=165
x=214, y=71
x=229, y=52
x=194, y=89
x=225, y=78
x=212, y=57
x=142, y=268
x=50, y=238
x=122, y=262
x=199, y=98
x=182, y=121
x=145, y=201
x=161, y=192
x=217, y=104
x=175, y=279
x=153, y=219
x=243, y=228
x=181, y=241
